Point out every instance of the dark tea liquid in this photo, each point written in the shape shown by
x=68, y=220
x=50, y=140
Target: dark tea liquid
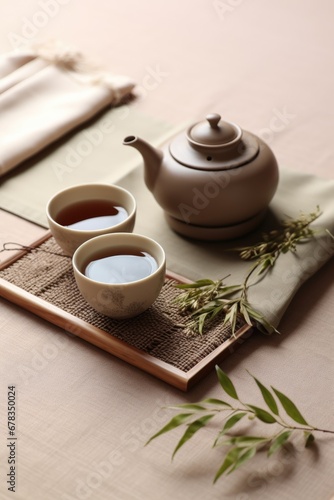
x=91, y=214
x=122, y=266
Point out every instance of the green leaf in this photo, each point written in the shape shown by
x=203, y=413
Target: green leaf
x=268, y=262
x=233, y=317
x=192, y=429
x=309, y=438
x=232, y=421
x=201, y=322
x=290, y=408
x=245, y=441
x=265, y=327
x=226, y=383
x=190, y=406
x=230, y=459
x=214, y=401
x=229, y=424
x=263, y=415
x=279, y=441
x=208, y=307
x=247, y=455
x=255, y=314
x=216, y=311
x=262, y=324
x=267, y=396
x=329, y=233
x=228, y=290
x=245, y=314
x=172, y=424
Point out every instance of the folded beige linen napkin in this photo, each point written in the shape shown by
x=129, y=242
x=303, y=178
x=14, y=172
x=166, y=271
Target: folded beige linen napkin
x=45, y=92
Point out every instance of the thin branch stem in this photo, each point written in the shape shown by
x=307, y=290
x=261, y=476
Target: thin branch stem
x=245, y=408
x=207, y=298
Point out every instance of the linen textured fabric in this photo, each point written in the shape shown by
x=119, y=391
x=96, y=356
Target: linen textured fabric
x=296, y=193
x=44, y=94
x=84, y=415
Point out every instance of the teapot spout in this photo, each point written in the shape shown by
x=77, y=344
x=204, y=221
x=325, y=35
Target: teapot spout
x=152, y=158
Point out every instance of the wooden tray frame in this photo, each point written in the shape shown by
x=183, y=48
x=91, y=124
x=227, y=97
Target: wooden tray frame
x=96, y=336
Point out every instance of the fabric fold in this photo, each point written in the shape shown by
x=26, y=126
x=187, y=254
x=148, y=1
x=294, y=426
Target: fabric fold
x=44, y=94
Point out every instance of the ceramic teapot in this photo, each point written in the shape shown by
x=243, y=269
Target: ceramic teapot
x=214, y=181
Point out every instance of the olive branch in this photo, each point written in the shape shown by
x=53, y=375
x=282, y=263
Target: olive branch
x=205, y=299
x=241, y=448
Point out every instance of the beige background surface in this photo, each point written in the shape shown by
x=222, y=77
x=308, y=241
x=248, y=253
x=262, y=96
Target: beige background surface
x=83, y=416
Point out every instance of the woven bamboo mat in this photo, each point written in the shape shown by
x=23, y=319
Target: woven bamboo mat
x=45, y=272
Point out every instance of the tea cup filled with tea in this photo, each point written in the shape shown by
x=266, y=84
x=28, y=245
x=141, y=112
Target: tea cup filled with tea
x=120, y=275
x=79, y=213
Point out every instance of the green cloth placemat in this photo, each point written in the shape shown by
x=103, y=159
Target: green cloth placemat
x=95, y=153
x=195, y=259
x=92, y=153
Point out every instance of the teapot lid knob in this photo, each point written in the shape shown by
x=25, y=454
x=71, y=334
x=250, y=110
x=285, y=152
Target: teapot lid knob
x=213, y=119
x=214, y=144
x=213, y=132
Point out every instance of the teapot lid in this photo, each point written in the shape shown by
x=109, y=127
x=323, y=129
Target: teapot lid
x=213, y=132
x=214, y=144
